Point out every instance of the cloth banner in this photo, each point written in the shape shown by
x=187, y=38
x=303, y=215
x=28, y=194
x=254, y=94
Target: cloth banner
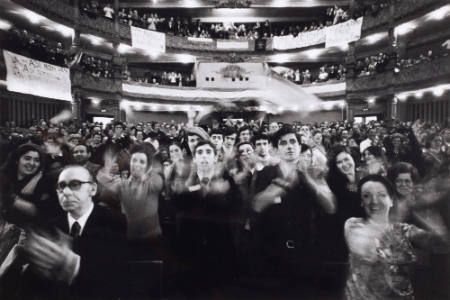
x=244, y=45
x=200, y=40
x=302, y=40
x=152, y=41
x=29, y=76
x=344, y=33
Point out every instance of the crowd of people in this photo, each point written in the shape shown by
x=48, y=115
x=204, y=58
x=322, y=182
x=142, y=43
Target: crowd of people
x=185, y=26
x=224, y=202
x=421, y=58
x=323, y=74
x=97, y=67
x=165, y=78
x=371, y=65
x=34, y=45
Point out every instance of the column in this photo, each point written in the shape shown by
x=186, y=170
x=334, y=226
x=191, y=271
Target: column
x=76, y=107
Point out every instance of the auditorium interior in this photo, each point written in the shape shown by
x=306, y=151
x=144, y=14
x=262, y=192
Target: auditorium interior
x=165, y=61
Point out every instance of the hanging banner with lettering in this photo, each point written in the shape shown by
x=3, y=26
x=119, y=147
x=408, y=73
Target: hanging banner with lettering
x=234, y=45
x=29, y=76
x=343, y=33
x=302, y=40
x=152, y=41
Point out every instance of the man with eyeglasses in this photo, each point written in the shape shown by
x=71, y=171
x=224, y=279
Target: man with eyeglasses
x=81, y=259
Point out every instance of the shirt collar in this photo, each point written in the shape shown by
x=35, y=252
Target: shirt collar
x=81, y=220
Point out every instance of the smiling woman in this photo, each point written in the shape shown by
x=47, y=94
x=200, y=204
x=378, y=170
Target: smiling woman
x=26, y=178
x=381, y=253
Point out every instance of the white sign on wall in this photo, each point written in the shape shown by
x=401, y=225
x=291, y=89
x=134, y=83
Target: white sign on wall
x=151, y=41
x=30, y=76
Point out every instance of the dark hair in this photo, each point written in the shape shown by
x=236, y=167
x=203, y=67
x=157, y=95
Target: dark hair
x=403, y=167
x=243, y=143
x=203, y=143
x=430, y=138
x=228, y=131
x=10, y=167
x=316, y=132
x=145, y=148
x=286, y=129
x=376, y=151
x=88, y=148
x=244, y=128
x=336, y=179
x=216, y=131
x=376, y=178
x=175, y=143
x=260, y=136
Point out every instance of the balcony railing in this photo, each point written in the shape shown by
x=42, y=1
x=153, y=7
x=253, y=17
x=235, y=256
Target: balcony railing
x=413, y=77
x=400, y=10
x=89, y=82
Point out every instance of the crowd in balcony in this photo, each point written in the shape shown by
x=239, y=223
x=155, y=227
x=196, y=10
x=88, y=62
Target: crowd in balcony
x=180, y=26
x=430, y=55
x=35, y=46
x=364, y=8
x=184, y=26
x=172, y=78
x=323, y=74
x=372, y=65
x=97, y=67
x=94, y=9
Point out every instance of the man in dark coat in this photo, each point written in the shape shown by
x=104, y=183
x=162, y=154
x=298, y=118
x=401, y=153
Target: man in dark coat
x=81, y=260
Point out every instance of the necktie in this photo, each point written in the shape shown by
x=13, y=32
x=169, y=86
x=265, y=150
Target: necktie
x=75, y=230
x=205, y=181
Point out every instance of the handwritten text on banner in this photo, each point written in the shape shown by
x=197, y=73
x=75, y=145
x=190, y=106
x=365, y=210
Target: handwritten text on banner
x=29, y=76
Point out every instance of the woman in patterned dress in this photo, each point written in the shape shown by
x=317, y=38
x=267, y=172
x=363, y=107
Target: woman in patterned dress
x=381, y=253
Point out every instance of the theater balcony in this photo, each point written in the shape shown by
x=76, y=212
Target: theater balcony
x=397, y=12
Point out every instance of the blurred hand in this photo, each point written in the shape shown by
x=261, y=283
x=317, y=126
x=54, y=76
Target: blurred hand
x=51, y=259
x=219, y=186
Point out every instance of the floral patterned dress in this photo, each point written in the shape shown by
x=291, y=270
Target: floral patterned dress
x=381, y=263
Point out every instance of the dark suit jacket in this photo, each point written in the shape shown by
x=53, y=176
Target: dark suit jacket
x=100, y=247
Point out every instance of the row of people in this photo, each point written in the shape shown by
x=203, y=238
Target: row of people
x=164, y=78
x=36, y=46
x=184, y=26
x=96, y=66
x=323, y=74
x=233, y=208
x=372, y=65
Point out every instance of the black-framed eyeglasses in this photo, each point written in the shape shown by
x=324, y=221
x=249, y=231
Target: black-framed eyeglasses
x=74, y=185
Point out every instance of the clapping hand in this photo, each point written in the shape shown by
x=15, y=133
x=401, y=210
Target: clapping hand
x=51, y=258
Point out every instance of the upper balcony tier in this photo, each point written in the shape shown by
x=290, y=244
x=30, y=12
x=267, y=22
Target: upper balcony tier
x=64, y=12
x=411, y=78
x=398, y=12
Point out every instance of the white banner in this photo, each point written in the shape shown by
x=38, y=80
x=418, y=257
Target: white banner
x=200, y=40
x=344, y=33
x=232, y=45
x=29, y=76
x=152, y=41
x=302, y=40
